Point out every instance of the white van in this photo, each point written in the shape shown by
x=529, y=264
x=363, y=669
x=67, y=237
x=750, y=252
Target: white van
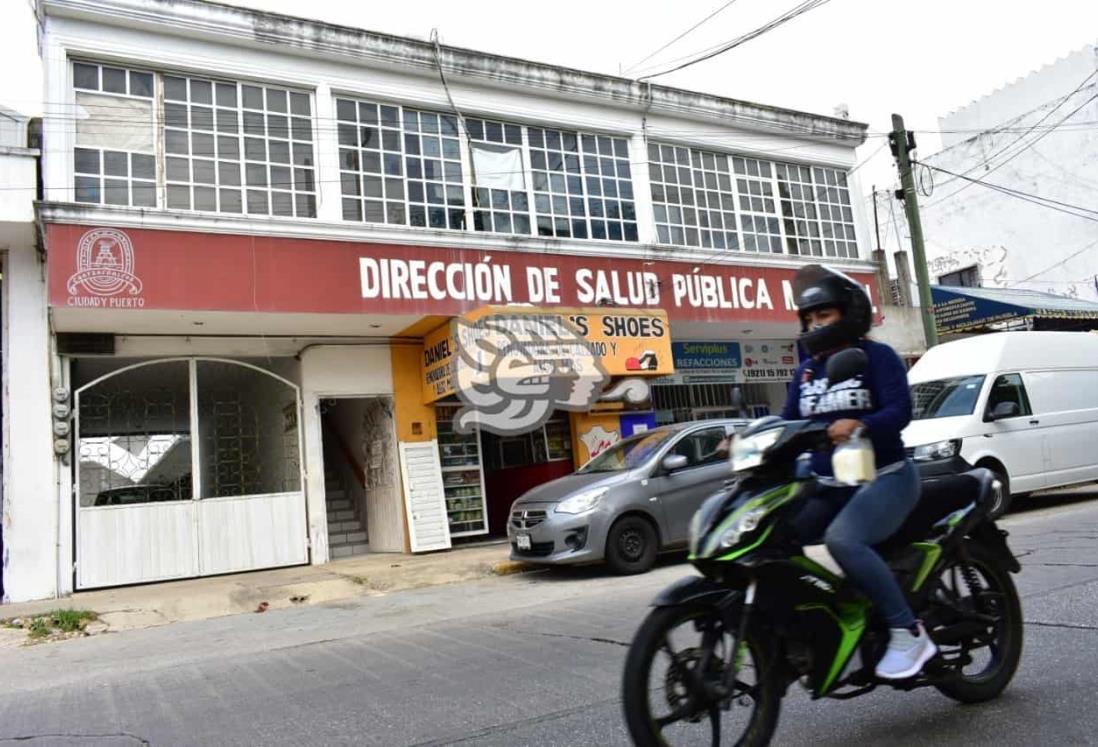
x=1023, y=404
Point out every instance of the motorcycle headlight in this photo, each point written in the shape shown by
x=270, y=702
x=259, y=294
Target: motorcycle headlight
x=747, y=453
x=749, y=522
x=582, y=502
x=937, y=450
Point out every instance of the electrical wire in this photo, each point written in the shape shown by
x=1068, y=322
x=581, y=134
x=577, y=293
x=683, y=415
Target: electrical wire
x=1028, y=145
x=789, y=15
x=1061, y=207
x=719, y=10
x=1063, y=261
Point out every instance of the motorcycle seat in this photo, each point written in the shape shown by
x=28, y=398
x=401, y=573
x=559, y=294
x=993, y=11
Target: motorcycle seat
x=940, y=497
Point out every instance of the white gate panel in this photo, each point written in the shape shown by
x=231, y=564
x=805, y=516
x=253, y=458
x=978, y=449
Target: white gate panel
x=248, y=532
x=134, y=544
x=424, y=500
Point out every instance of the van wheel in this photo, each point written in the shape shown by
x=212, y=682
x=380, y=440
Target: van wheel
x=1002, y=501
x=631, y=545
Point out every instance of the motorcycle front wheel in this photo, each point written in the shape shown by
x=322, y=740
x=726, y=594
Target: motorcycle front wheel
x=666, y=705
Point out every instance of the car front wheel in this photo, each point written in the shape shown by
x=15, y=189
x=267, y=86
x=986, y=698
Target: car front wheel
x=631, y=545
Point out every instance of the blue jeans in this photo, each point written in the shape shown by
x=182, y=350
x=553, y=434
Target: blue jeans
x=851, y=521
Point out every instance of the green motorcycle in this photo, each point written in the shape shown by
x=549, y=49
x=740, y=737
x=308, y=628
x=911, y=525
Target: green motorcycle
x=718, y=652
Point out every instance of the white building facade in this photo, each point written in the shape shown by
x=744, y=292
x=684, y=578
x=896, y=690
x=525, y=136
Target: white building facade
x=251, y=224
x=1036, y=136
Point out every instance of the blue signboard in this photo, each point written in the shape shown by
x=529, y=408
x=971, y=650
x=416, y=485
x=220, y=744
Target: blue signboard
x=954, y=312
x=705, y=356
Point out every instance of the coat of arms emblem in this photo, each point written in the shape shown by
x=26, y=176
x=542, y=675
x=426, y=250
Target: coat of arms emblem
x=104, y=264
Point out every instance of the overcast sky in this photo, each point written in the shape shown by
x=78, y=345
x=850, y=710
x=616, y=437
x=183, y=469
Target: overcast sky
x=921, y=58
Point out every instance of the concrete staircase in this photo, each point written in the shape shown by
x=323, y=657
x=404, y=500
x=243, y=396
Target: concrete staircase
x=346, y=529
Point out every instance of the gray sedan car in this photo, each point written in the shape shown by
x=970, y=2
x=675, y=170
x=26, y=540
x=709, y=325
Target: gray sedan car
x=628, y=503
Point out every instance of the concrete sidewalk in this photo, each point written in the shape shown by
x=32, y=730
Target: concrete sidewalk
x=257, y=591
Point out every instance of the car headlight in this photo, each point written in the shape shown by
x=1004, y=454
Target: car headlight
x=581, y=502
x=747, y=453
x=938, y=450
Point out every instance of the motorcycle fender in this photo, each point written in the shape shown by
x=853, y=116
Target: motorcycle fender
x=994, y=539
x=693, y=590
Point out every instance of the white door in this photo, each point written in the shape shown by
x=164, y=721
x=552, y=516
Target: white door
x=1019, y=440
x=187, y=468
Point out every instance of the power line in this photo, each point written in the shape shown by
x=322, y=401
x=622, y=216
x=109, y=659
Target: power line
x=637, y=64
x=1063, y=261
x=1028, y=145
x=1061, y=207
x=789, y=15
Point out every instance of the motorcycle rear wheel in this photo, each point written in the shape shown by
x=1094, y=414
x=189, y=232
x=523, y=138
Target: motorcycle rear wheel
x=652, y=694
x=998, y=598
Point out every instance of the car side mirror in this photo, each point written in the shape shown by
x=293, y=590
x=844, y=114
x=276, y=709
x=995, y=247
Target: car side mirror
x=1005, y=410
x=674, y=462
x=846, y=364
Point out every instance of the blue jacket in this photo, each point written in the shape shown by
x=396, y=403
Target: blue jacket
x=879, y=397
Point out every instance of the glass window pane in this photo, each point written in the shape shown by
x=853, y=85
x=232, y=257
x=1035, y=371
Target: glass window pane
x=141, y=84
x=85, y=76
x=133, y=438
x=86, y=161
x=114, y=80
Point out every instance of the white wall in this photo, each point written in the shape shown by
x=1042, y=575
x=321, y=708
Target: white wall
x=32, y=534
x=18, y=175
x=1018, y=244
x=334, y=371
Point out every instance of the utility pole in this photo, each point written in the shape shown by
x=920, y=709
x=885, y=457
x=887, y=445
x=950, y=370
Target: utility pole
x=902, y=143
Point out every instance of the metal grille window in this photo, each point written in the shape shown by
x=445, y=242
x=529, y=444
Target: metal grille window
x=400, y=166
x=233, y=148
x=758, y=209
x=692, y=197
x=836, y=216
x=816, y=211
x=609, y=188
x=559, y=205
x=499, y=189
x=115, y=153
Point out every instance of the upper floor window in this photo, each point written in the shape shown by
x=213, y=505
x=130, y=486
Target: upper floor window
x=411, y=167
x=735, y=203
x=203, y=144
x=115, y=139
x=968, y=277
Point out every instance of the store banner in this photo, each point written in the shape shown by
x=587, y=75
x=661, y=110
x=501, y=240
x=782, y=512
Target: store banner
x=109, y=267
x=769, y=360
x=706, y=356
x=598, y=343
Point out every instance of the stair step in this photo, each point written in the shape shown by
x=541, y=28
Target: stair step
x=356, y=537
x=341, y=505
x=341, y=516
x=334, y=494
x=349, y=551
x=342, y=527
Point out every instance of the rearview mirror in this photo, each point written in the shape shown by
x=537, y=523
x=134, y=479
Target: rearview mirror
x=1005, y=410
x=846, y=364
x=673, y=462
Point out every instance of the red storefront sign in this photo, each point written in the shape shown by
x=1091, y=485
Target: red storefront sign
x=152, y=269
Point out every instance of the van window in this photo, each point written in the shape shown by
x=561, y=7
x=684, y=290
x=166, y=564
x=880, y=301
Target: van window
x=1063, y=391
x=945, y=398
x=1009, y=388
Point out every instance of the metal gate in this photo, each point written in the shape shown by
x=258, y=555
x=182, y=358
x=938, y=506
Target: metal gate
x=187, y=467
x=678, y=403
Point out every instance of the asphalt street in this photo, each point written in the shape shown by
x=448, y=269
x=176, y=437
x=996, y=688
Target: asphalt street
x=522, y=660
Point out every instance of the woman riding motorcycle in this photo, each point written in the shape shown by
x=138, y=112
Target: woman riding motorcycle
x=836, y=313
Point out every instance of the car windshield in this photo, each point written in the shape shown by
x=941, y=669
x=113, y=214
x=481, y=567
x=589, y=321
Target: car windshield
x=945, y=398
x=628, y=453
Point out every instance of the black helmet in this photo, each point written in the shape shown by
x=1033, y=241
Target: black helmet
x=819, y=287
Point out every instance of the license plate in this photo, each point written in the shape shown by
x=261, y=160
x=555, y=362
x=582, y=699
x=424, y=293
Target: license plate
x=522, y=541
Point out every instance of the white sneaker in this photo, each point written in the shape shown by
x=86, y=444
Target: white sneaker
x=907, y=653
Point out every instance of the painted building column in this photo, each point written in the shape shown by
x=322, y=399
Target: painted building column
x=32, y=561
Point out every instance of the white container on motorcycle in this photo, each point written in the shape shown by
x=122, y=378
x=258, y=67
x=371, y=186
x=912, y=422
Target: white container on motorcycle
x=853, y=461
